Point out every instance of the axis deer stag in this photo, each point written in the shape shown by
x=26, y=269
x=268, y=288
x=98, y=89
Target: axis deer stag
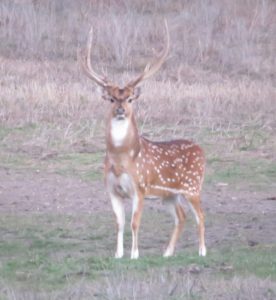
x=136, y=167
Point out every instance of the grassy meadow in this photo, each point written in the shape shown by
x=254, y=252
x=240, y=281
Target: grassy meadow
x=217, y=87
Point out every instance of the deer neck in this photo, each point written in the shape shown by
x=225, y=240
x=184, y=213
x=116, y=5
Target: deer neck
x=122, y=139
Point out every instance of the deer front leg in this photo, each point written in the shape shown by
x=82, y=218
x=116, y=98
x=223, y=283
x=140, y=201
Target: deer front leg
x=137, y=208
x=119, y=211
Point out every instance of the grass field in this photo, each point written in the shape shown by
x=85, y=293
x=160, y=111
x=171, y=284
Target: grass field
x=217, y=87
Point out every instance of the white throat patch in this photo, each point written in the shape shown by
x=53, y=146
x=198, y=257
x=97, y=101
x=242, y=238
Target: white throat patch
x=119, y=129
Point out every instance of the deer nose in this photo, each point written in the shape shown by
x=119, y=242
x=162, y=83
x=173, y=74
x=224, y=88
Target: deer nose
x=120, y=110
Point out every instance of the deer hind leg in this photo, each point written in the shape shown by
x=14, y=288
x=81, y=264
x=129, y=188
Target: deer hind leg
x=119, y=211
x=195, y=205
x=137, y=208
x=176, y=209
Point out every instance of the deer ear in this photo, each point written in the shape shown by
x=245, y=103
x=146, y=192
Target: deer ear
x=136, y=93
x=104, y=93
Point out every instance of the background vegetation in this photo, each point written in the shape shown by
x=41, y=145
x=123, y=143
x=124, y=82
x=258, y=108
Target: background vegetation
x=217, y=88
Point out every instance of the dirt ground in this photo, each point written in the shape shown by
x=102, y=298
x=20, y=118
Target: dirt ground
x=231, y=213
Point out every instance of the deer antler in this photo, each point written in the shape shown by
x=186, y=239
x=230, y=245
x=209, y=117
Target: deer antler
x=85, y=61
x=152, y=68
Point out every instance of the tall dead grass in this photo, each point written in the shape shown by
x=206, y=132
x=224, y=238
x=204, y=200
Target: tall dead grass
x=179, y=285
x=161, y=285
x=226, y=36
x=220, y=74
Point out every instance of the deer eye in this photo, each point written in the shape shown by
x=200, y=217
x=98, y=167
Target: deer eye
x=112, y=100
x=129, y=100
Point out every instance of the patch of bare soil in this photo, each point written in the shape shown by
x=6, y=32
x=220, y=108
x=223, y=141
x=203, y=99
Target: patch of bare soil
x=231, y=213
x=26, y=191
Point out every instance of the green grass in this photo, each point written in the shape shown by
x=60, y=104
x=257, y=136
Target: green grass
x=242, y=164
x=47, y=252
x=239, y=156
x=16, y=153
x=45, y=271
x=28, y=129
x=260, y=261
x=259, y=172
x=88, y=166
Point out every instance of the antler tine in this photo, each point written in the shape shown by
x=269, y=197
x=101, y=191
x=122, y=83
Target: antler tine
x=85, y=60
x=152, y=68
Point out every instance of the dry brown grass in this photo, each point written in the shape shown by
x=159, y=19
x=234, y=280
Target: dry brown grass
x=222, y=56
x=221, y=65
x=162, y=286
x=169, y=285
x=222, y=35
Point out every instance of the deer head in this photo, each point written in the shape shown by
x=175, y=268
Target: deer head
x=121, y=98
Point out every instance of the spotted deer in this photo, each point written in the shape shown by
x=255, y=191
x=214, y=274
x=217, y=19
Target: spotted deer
x=136, y=167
